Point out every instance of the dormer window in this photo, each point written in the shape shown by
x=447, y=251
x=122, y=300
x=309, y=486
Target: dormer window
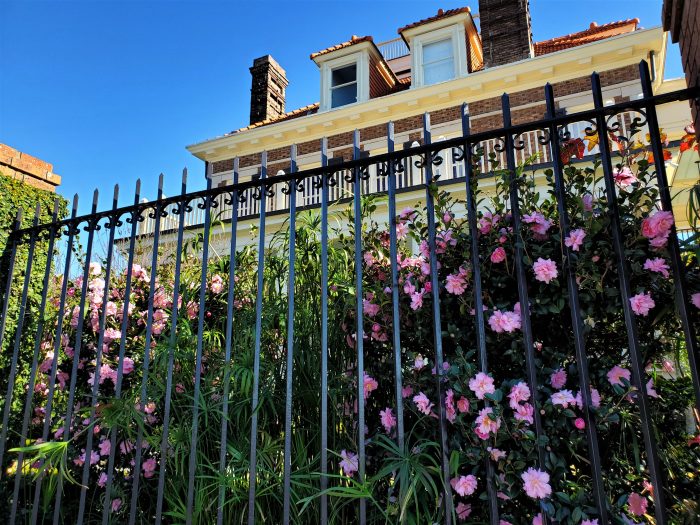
x=343, y=85
x=352, y=72
x=438, y=61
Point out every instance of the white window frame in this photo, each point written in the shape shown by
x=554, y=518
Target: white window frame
x=456, y=34
x=361, y=62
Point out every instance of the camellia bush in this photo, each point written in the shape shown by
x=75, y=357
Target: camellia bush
x=490, y=416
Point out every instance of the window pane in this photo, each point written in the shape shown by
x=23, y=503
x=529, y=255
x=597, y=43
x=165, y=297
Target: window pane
x=438, y=72
x=343, y=75
x=436, y=51
x=344, y=95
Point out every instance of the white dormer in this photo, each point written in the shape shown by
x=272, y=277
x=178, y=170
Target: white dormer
x=352, y=72
x=442, y=47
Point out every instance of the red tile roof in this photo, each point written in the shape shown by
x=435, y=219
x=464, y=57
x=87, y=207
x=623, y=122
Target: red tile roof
x=301, y=112
x=592, y=34
x=440, y=14
x=354, y=40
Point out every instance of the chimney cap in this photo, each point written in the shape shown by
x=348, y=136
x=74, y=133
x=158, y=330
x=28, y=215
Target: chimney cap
x=593, y=25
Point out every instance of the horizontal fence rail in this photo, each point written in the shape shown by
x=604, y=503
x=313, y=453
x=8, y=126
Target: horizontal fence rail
x=533, y=347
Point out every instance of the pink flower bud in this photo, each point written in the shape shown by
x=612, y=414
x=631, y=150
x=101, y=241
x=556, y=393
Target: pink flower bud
x=580, y=423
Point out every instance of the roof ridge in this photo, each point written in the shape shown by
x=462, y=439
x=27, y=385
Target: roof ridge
x=593, y=28
x=283, y=116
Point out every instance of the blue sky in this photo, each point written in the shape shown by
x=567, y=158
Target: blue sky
x=112, y=91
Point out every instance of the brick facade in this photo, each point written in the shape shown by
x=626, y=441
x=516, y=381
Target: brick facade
x=485, y=115
x=682, y=19
x=506, y=35
x=28, y=169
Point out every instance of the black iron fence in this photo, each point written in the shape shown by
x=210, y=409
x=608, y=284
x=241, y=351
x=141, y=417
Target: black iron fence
x=55, y=429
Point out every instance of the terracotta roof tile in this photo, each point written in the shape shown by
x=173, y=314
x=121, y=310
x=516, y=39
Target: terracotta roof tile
x=301, y=112
x=354, y=40
x=440, y=14
x=592, y=34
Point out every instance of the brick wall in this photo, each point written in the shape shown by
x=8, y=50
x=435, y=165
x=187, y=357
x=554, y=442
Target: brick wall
x=485, y=115
x=28, y=169
x=682, y=19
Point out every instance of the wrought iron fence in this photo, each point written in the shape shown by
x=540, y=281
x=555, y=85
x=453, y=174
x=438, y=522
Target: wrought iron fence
x=25, y=491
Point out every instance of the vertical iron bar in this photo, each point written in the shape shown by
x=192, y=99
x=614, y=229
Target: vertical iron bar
x=172, y=343
x=625, y=293
x=437, y=322
x=681, y=285
x=576, y=318
x=158, y=209
x=258, y=342
x=478, y=295
x=521, y=276
x=91, y=227
x=200, y=347
x=35, y=360
x=8, y=283
x=290, y=338
x=72, y=230
x=113, y=220
x=395, y=313
x=136, y=217
x=359, y=332
x=229, y=341
x=18, y=336
x=324, y=331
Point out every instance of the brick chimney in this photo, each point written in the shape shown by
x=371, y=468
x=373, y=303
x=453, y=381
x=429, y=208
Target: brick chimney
x=267, y=89
x=506, y=35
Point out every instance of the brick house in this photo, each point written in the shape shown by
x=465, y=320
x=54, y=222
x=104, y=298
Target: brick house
x=28, y=169
x=435, y=65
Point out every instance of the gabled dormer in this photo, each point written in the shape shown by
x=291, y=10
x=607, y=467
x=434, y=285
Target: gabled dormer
x=352, y=72
x=443, y=47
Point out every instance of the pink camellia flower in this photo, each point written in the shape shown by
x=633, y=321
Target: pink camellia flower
x=651, y=391
x=498, y=255
x=595, y=399
x=463, y=510
x=575, y=239
x=518, y=393
x=695, y=298
x=401, y=230
x=486, y=425
x=580, y=423
x=616, y=374
x=642, y=303
x=587, y=201
x=423, y=403
x=525, y=412
x=537, y=520
x=416, y=301
x=563, y=398
x=105, y=446
x=388, y=419
x=149, y=467
x=504, y=522
x=455, y=284
x=589, y=522
x=110, y=334
x=217, y=284
x=624, y=177
x=420, y=362
x=545, y=270
x=481, y=384
x=464, y=485
x=496, y=454
x=505, y=321
x=656, y=228
x=540, y=224
x=128, y=366
x=95, y=268
x=463, y=405
x=450, y=410
x=117, y=502
x=657, y=265
x=370, y=384
x=102, y=480
x=536, y=483
x=406, y=392
x=558, y=378
x=348, y=463
x=637, y=504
